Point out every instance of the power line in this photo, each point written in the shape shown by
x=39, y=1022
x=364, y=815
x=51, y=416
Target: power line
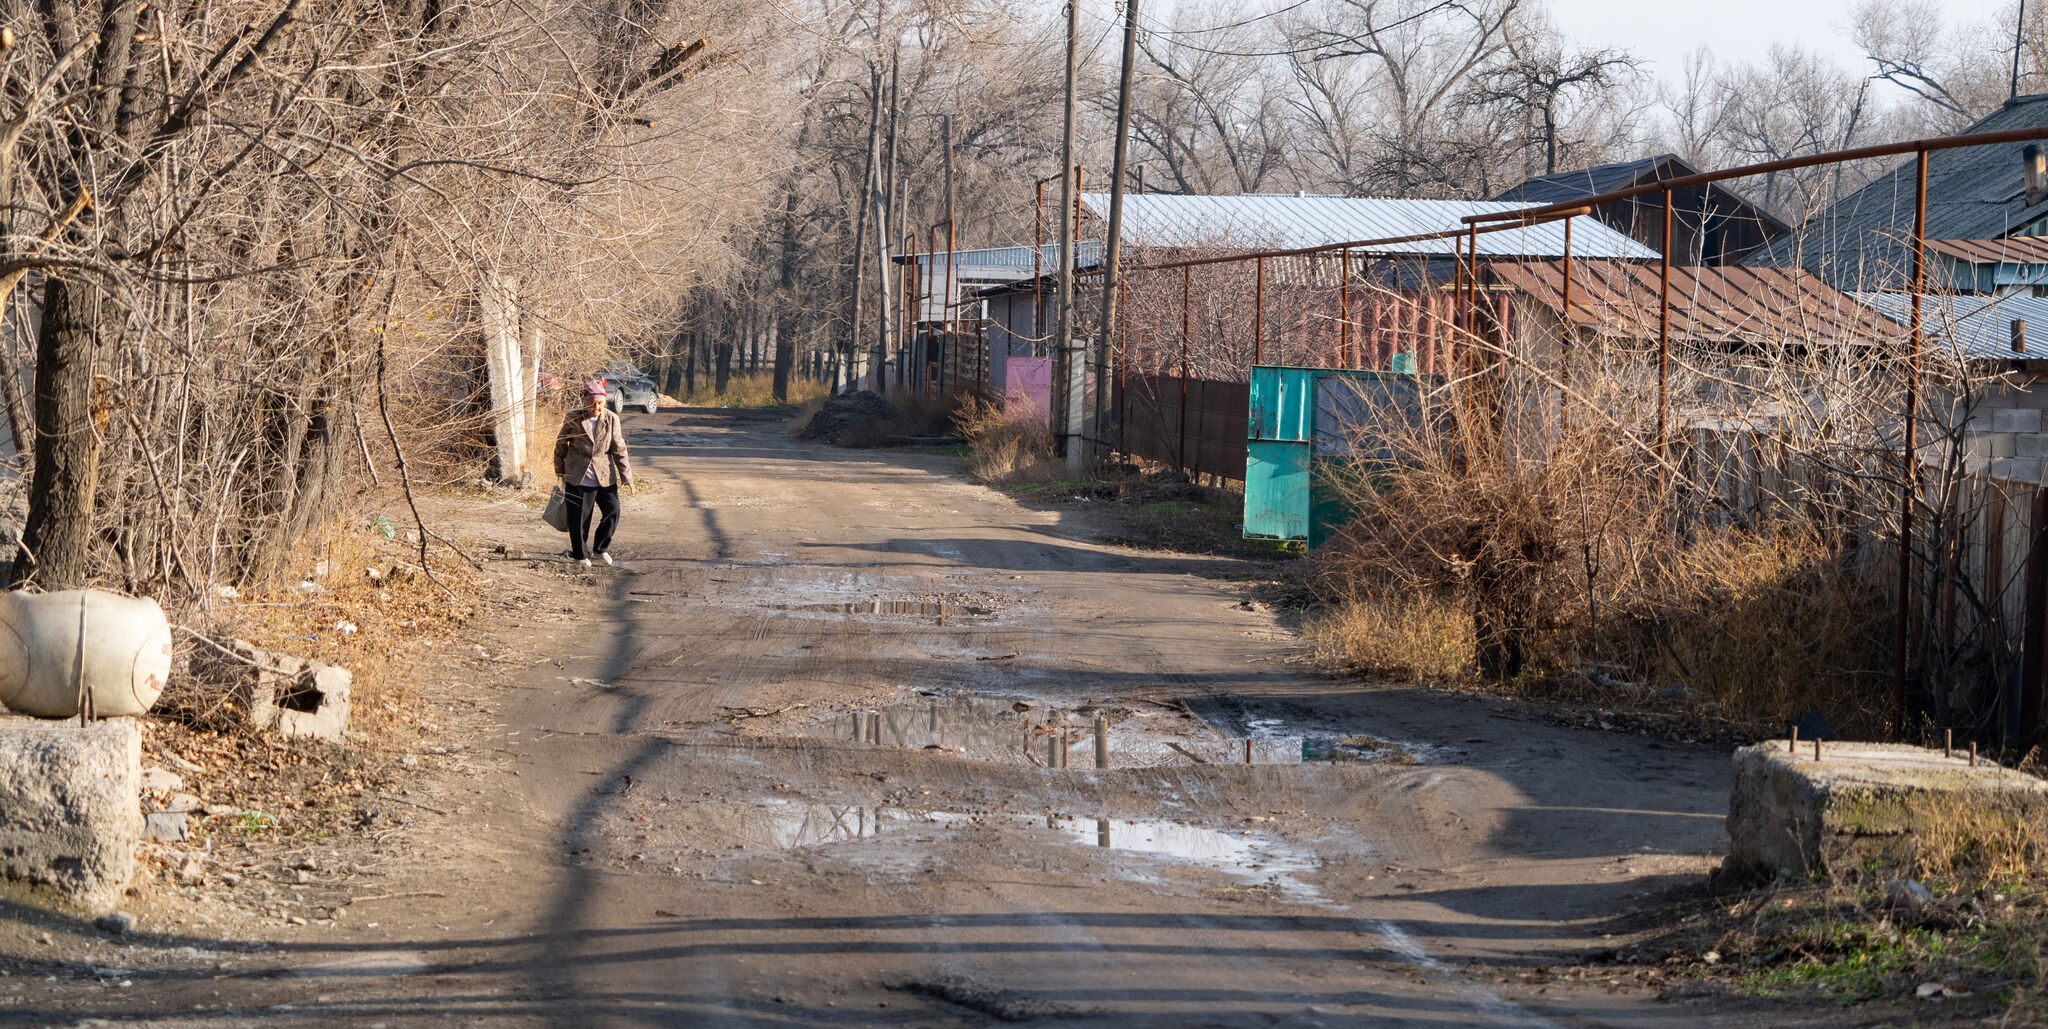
x=1292, y=52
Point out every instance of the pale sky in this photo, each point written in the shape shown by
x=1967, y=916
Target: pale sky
x=1661, y=31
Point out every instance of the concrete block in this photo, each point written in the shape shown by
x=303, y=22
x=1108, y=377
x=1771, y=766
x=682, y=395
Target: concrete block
x=1861, y=802
x=1992, y=445
x=2030, y=445
x=292, y=695
x=70, y=815
x=2018, y=419
x=2017, y=469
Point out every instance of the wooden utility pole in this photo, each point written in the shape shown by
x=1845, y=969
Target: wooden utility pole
x=948, y=314
x=1070, y=372
x=2019, y=43
x=1112, y=256
x=894, y=187
x=856, y=335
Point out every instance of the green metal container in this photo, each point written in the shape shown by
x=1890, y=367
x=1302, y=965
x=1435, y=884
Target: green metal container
x=1299, y=461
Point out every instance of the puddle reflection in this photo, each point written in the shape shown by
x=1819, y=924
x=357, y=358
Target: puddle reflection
x=1254, y=856
x=877, y=606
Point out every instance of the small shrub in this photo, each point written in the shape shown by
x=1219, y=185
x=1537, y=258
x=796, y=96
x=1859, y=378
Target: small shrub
x=1004, y=445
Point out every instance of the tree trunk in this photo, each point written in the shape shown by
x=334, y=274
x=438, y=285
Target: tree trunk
x=56, y=542
x=785, y=353
x=531, y=342
x=689, y=365
x=724, y=366
x=499, y=311
x=672, y=379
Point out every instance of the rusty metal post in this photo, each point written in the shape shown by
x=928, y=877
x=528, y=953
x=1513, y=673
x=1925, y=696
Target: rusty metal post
x=1037, y=263
x=919, y=377
x=1187, y=286
x=1259, y=312
x=1565, y=305
x=909, y=323
x=1472, y=254
x=1910, y=477
x=1344, y=309
x=1664, y=336
x=1457, y=299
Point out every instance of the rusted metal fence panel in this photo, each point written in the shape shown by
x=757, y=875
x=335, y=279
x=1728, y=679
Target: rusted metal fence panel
x=1196, y=425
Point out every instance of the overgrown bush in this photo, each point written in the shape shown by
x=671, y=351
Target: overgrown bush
x=1577, y=563
x=1005, y=445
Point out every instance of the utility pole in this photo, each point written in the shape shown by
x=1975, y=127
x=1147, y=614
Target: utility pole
x=898, y=190
x=887, y=202
x=857, y=334
x=1112, y=257
x=2019, y=43
x=1071, y=370
x=947, y=312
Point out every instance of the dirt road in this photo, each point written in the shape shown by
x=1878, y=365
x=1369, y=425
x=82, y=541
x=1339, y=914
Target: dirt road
x=669, y=814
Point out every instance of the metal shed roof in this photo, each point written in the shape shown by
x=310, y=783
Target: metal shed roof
x=1005, y=264
x=1972, y=193
x=1286, y=222
x=1980, y=327
x=2021, y=250
x=1600, y=178
x=1708, y=304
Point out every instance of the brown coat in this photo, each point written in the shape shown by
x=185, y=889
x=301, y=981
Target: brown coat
x=577, y=449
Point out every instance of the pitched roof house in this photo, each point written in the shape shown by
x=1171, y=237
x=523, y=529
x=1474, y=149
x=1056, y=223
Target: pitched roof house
x=1973, y=193
x=1710, y=224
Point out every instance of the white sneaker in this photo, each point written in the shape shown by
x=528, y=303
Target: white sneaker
x=585, y=562
x=606, y=557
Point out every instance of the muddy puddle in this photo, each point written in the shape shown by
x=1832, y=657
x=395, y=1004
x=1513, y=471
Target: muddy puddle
x=1250, y=855
x=939, y=609
x=1029, y=731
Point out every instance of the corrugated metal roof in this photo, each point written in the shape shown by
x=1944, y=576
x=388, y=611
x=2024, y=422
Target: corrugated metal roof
x=1708, y=304
x=1005, y=264
x=1600, y=178
x=1288, y=222
x=1980, y=327
x=1972, y=193
x=2021, y=250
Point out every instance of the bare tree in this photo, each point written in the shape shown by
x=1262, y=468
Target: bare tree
x=1539, y=82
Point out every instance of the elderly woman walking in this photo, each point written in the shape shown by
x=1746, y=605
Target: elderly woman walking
x=590, y=458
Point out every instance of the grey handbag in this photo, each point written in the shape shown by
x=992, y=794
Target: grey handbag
x=557, y=511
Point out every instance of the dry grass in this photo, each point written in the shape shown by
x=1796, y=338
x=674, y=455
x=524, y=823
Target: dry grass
x=1994, y=837
x=352, y=597
x=755, y=389
x=1424, y=637
x=1006, y=446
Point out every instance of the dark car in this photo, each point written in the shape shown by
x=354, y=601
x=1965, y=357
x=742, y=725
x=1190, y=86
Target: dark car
x=623, y=391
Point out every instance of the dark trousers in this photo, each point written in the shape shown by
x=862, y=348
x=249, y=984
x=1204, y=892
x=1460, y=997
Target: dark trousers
x=580, y=500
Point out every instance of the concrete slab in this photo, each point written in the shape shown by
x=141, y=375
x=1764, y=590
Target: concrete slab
x=70, y=813
x=1861, y=802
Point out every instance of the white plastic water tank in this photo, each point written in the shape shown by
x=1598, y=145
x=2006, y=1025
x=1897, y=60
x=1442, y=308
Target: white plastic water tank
x=118, y=647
